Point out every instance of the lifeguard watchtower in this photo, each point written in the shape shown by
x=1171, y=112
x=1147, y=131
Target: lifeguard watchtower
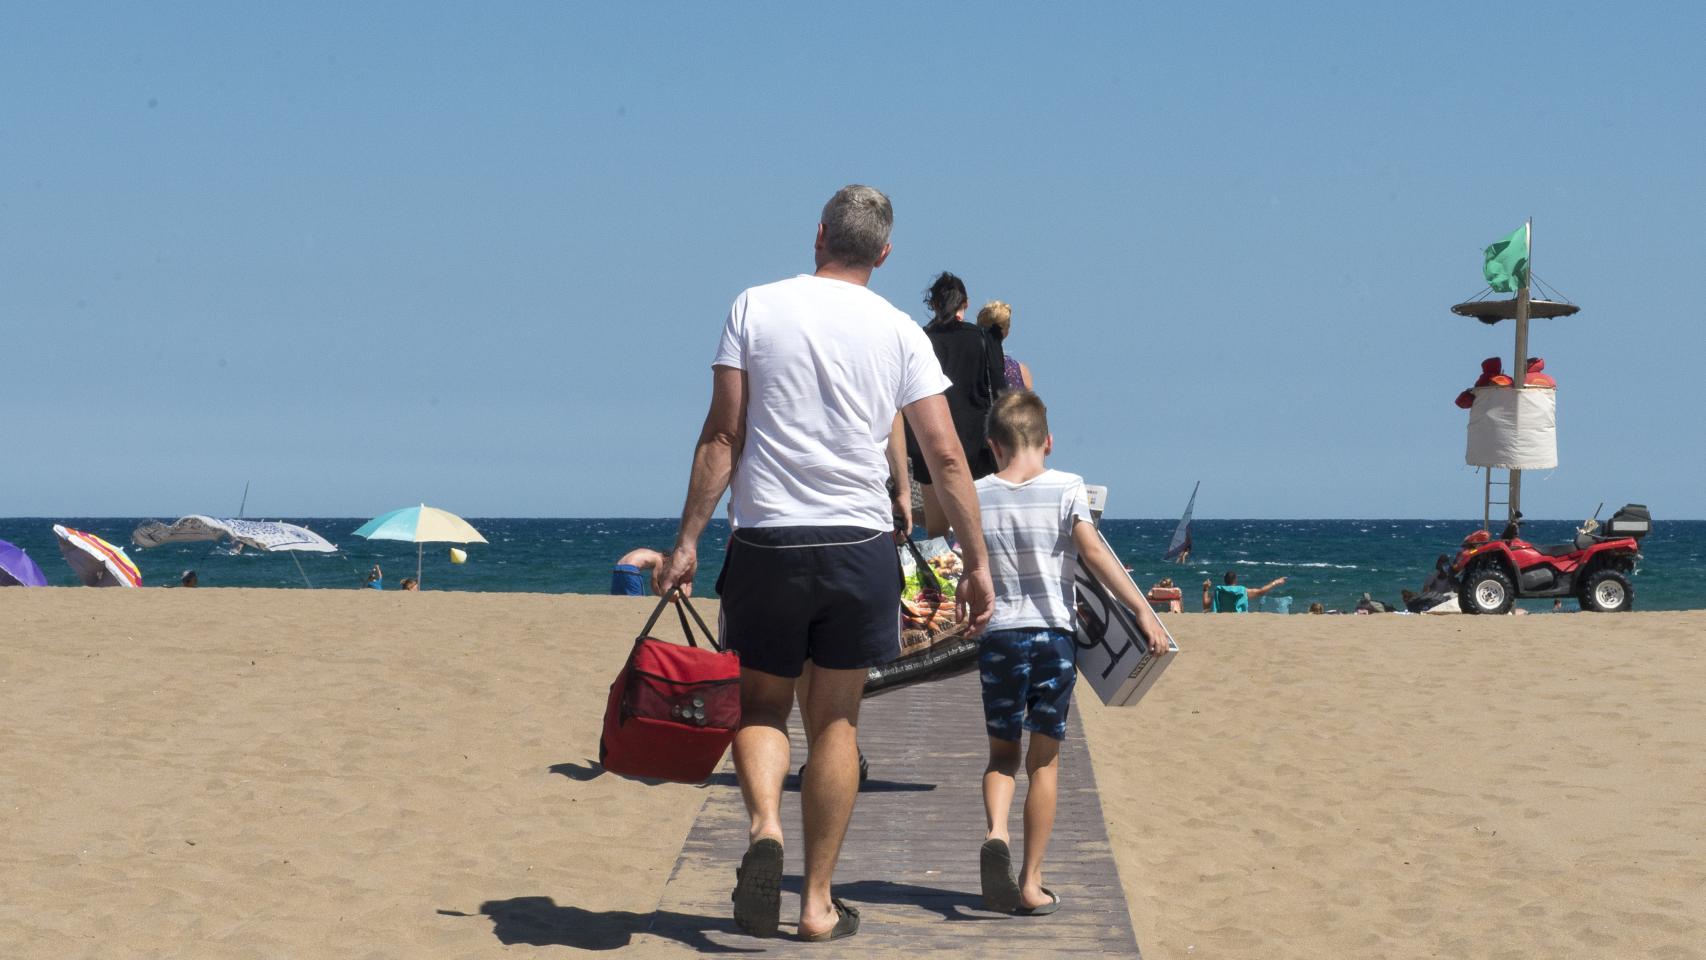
x=1513, y=428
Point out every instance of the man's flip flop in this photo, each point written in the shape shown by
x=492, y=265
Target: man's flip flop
x=758, y=888
x=1043, y=910
x=846, y=923
x=995, y=865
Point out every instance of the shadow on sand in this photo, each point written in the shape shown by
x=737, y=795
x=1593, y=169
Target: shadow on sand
x=954, y=905
x=541, y=922
x=592, y=770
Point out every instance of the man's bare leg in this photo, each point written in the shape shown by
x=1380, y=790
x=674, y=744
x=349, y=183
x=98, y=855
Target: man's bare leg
x=761, y=748
x=802, y=694
x=831, y=783
x=761, y=761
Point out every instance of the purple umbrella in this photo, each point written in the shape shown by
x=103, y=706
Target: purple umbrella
x=17, y=569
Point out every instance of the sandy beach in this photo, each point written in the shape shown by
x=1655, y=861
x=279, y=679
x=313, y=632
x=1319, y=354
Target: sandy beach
x=243, y=773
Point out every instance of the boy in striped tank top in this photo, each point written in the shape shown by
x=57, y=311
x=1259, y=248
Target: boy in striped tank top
x=1036, y=524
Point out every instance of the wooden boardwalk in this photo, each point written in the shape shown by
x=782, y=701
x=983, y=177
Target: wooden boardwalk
x=910, y=862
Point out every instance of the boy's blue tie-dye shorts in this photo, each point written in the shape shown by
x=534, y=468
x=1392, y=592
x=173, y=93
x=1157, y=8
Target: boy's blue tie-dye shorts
x=1027, y=681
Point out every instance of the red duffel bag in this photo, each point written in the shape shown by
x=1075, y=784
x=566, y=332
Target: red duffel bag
x=673, y=710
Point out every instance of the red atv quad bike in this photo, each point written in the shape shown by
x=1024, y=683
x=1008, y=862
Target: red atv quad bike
x=1492, y=574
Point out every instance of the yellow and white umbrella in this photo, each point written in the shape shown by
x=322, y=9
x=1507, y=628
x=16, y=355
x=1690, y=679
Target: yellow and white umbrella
x=97, y=562
x=418, y=525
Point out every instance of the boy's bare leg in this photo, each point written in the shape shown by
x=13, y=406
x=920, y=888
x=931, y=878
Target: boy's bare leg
x=761, y=748
x=998, y=787
x=935, y=518
x=831, y=783
x=1042, y=768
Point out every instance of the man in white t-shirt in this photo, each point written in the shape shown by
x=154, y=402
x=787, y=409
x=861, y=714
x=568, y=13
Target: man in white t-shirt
x=807, y=385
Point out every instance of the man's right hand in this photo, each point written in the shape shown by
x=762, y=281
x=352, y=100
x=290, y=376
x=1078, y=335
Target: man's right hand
x=975, y=599
x=677, y=570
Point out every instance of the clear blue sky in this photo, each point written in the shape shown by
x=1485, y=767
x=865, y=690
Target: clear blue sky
x=366, y=255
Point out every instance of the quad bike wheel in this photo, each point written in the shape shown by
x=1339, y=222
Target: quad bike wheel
x=1487, y=590
x=1607, y=591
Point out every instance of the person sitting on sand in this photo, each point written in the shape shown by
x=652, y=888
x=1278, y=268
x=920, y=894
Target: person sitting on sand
x=1440, y=581
x=629, y=578
x=1368, y=604
x=1230, y=597
x=410, y=583
x=189, y=579
x=375, y=578
x=1037, y=524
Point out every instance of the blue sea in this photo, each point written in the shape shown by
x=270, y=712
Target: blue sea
x=1328, y=561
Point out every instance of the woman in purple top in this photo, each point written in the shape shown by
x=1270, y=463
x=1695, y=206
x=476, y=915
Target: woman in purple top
x=997, y=318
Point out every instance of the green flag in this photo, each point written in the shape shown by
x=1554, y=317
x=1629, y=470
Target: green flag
x=1506, y=268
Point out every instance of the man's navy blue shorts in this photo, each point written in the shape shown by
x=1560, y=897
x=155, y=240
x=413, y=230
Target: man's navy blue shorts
x=830, y=595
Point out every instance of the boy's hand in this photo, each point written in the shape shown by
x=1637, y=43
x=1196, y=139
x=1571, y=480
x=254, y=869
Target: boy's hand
x=1157, y=638
x=1208, y=584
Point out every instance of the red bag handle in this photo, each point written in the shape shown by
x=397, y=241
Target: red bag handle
x=682, y=608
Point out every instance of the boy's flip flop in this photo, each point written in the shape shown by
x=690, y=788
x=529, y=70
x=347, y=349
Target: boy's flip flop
x=758, y=888
x=1043, y=910
x=995, y=866
x=846, y=923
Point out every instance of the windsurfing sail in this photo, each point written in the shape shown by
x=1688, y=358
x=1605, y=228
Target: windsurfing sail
x=1179, y=550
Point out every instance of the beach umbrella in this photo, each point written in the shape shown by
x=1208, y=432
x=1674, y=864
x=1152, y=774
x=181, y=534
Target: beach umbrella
x=97, y=562
x=268, y=535
x=17, y=569
x=419, y=525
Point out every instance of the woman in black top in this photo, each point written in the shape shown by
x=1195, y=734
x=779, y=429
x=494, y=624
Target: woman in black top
x=974, y=362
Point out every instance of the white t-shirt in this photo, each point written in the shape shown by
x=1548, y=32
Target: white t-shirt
x=828, y=364
x=1033, y=559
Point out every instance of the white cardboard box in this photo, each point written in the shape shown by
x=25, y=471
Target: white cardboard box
x=1097, y=497
x=1112, y=654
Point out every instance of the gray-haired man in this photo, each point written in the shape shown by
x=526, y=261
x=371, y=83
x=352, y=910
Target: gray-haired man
x=807, y=387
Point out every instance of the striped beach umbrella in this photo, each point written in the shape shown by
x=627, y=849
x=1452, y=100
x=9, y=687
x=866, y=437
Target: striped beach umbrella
x=96, y=562
x=418, y=525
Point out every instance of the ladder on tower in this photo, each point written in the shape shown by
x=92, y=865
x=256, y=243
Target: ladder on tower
x=1487, y=501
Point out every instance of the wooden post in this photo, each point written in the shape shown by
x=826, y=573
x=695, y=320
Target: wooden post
x=1519, y=373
